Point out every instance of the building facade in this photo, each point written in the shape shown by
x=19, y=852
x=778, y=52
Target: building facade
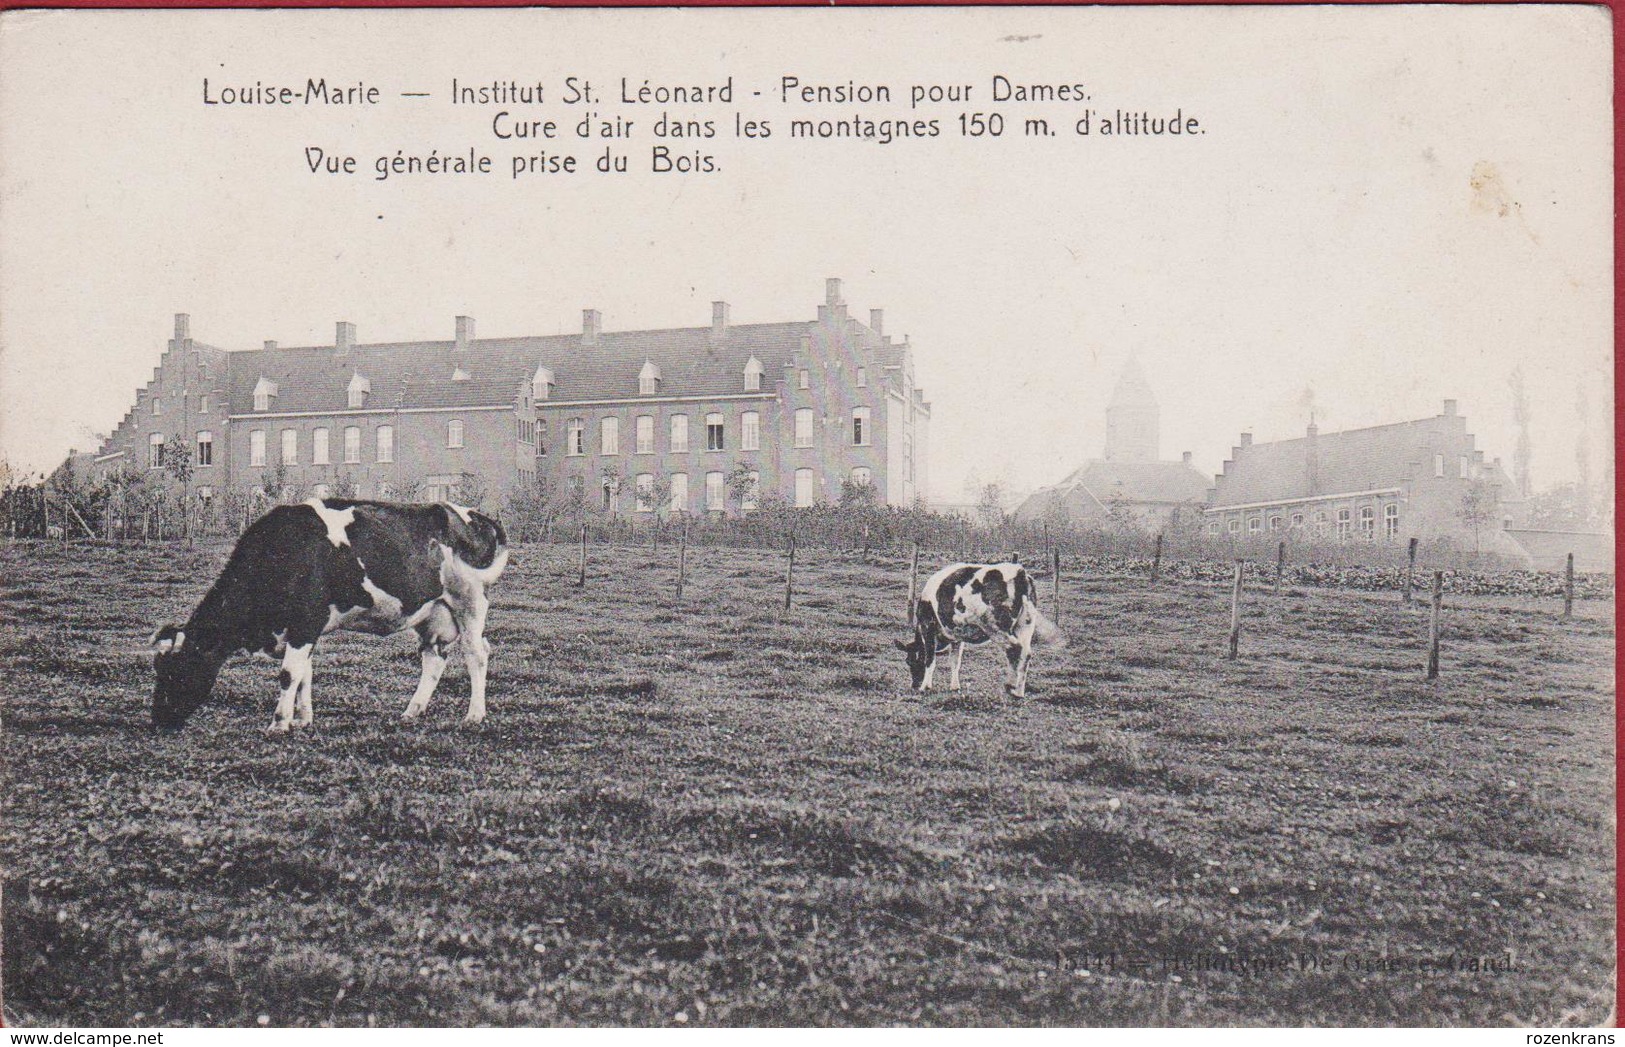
x=1387, y=483
x=700, y=419
x=1130, y=484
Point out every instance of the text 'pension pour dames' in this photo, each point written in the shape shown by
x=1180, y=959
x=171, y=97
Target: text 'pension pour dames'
x=575, y=90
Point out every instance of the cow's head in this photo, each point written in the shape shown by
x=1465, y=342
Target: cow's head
x=920, y=656
x=185, y=676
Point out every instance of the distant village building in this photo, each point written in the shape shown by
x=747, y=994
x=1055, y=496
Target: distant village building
x=1387, y=483
x=1129, y=484
x=712, y=418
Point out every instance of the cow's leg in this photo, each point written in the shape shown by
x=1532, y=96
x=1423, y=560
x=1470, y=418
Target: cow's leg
x=1015, y=677
x=435, y=634
x=304, y=712
x=959, y=656
x=295, y=664
x=1017, y=654
x=476, y=654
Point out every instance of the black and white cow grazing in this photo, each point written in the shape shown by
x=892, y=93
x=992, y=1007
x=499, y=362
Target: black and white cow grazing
x=970, y=604
x=335, y=563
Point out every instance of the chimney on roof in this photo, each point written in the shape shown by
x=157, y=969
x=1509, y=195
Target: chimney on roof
x=877, y=321
x=719, y=321
x=344, y=337
x=1186, y=459
x=592, y=322
x=1246, y=439
x=834, y=307
x=183, y=327
x=1450, y=408
x=465, y=333
x=270, y=343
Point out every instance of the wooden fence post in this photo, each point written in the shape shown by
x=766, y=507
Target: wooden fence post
x=1280, y=565
x=1055, y=599
x=682, y=559
x=1433, y=626
x=1156, y=560
x=1235, y=612
x=790, y=572
x=581, y=573
x=1568, y=588
x=1410, y=571
x=913, y=581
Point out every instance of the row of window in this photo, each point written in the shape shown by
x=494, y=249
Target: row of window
x=715, y=490
x=530, y=432
x=383, y=444
x=1464, y=467
x=1319, y=523
x=716, y=437
x=202, y=405
x=649, y=380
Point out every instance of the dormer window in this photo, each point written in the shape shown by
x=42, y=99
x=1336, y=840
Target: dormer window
x=649, y=379
x=459, y=375
x=358, y=389
x=541, y=386
x=264, y=389
x=753, y=375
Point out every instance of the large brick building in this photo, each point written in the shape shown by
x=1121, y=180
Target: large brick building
x=1382, y=484
x=710, y=418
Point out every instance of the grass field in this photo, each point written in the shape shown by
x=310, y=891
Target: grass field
x=726, y=814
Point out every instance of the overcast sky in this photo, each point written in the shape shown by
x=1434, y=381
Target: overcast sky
x=1390, y=206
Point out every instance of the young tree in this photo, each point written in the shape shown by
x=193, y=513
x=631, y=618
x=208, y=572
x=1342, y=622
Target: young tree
x=176, y=459
x=528, y=508
x=274, y=481
x=1479, y=504
x=609, y=483
x=658, y=494
x=858, y=494
x=740, y=485
x=470, y=491
x=990, y=505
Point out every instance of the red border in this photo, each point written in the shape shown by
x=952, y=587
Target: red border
x=1619, y=195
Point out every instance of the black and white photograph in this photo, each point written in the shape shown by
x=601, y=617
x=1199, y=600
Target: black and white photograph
x=874, y=517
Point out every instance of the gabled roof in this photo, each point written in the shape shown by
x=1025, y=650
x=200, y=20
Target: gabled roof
x=1371, y=459
x=1091, y=490
x=1164, y=482
x=688, y=361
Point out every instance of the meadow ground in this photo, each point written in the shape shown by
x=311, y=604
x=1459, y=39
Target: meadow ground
x=727, y=814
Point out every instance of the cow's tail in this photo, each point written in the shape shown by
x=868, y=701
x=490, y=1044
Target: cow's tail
x=1047, y=632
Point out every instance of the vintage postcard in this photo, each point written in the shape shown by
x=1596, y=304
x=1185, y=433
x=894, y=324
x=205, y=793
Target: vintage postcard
x=930, y=517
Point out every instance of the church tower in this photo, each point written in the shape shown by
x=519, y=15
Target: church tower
x=1132, y=419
